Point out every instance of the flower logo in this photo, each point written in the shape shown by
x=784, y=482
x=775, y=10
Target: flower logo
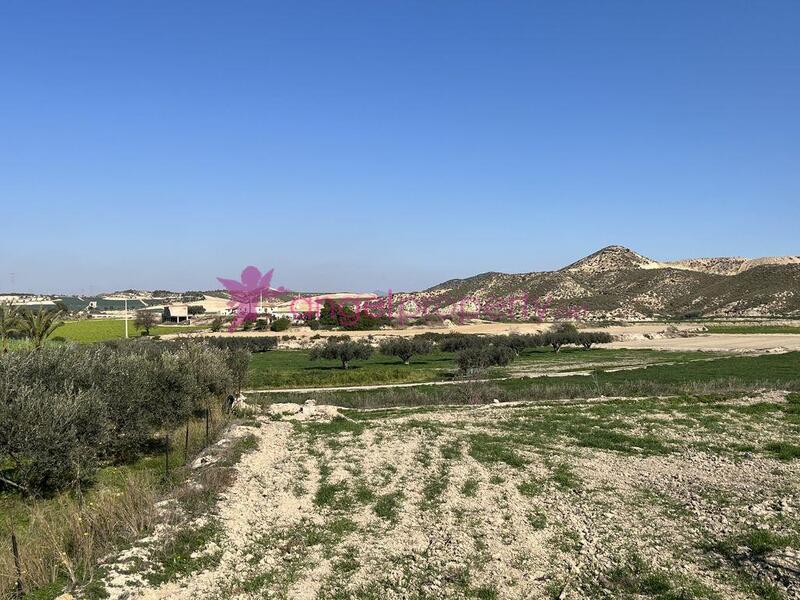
x=248, y=293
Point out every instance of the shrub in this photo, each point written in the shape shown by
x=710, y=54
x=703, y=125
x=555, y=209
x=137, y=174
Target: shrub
x=343, y=315
x=247, y=325
x=66, y=408
x=144, y=321
x=456, y=342
x=197, y=309
x=281, y=324
x=216, y=324
x=344, y=351
x=262, y=325
x=251, y=344
x=477, y=358
x=405, y=348
x=560, y=334
x=587, y=338
x=50, y=441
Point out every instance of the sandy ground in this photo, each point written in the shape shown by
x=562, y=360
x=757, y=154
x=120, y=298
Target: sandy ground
x=402, y=506
x=710, y=342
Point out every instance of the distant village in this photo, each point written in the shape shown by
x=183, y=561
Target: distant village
x=179, y=308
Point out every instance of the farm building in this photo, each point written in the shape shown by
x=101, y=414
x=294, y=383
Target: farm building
x=175, y=313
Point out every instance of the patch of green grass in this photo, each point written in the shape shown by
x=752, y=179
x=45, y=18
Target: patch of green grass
x=764, y=541
x=451, y=450
x=174, y=559
x=332, y=495
x=388, y=506
x=100, y=330
x=760, y=542
x=537, y=519
x=434, y=487
x=362, y=493
x=489, y=450
x=531, y=487
x=634, y=578
x=470, y=487
x=484, y=592
x=783, y=450
x=565, y=477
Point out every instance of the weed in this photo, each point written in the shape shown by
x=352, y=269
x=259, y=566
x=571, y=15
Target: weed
x=470, y=487
x=387, y=506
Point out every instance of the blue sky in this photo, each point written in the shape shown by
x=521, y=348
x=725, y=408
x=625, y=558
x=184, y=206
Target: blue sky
x=376, y=145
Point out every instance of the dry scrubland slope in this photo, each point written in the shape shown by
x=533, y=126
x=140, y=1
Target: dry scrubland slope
x=616, y=282
x=661, y=498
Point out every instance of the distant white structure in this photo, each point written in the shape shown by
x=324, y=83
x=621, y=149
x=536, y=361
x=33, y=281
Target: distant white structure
x=175, y=313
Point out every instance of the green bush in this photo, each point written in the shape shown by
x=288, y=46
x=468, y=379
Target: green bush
x=67, y=408
x=251, y=344
x=344, y=350
x=477, y=358
x=281, y=324
x=404, y=348
x=49, y=441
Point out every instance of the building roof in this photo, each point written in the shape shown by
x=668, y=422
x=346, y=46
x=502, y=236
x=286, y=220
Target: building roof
x=177, y=310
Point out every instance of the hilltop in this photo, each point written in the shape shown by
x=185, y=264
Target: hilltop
x=619, y=283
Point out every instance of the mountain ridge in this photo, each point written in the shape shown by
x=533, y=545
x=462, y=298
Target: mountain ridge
x=618, y=283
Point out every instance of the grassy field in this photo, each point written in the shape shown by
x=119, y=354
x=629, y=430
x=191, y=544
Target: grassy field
x=293, y=368
x=724, y=375
x=99, y=330
x=753, y=329
x=666, y=498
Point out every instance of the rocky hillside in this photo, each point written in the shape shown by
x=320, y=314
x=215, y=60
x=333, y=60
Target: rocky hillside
x=618, y=283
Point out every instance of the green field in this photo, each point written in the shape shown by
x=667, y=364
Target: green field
x=99, y=330
x=725, y=375
x=293, y=368
x=753, y=329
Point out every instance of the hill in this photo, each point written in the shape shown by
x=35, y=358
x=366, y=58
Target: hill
x=618, y=283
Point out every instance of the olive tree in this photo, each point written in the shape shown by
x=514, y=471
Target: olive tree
x=476, y=358
x=405, y=348
x=344, y=351
x=587, y=338
x=145, y=320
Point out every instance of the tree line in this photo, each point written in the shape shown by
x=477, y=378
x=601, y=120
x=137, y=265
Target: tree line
x=473, y=352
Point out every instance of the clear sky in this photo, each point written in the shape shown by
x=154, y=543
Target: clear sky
x=376, y=145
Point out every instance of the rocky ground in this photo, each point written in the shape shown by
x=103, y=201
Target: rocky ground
x=661, y=498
